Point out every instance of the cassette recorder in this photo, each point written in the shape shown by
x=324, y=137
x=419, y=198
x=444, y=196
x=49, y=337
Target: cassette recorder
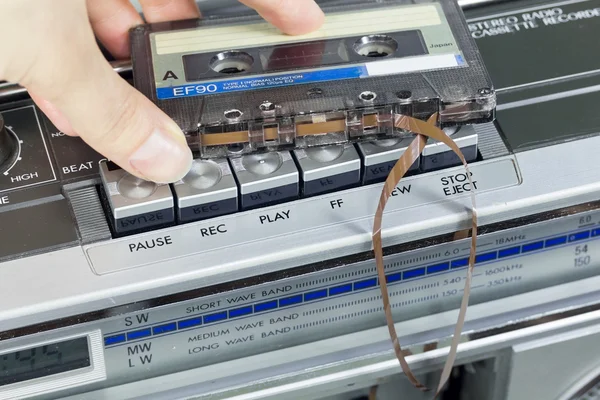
x=254, y=276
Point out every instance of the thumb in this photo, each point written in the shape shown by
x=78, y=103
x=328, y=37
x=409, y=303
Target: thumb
x=71, y=81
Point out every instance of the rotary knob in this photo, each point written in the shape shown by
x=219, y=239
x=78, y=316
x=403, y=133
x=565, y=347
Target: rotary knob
x=8, y=147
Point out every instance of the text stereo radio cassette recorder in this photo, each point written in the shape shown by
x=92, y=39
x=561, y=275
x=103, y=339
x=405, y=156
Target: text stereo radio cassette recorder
x=255, y=276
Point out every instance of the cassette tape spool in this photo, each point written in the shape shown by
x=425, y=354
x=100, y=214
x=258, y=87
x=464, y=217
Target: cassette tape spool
x=237, y=85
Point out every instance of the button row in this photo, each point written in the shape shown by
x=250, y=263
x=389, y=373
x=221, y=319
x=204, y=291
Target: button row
x=219, y=187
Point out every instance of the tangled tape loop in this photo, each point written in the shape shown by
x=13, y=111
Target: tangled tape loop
x=422, y=130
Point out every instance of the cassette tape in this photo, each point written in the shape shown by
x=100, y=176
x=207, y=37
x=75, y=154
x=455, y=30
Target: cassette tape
x=237, y=85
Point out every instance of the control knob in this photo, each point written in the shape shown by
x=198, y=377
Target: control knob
x=8, y=147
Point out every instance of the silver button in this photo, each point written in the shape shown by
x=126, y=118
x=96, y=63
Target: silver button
x=379, y=157
x=135, y=188
x=266, y=179
x=328, y=168
x=135, y=205
x=437, y=155
x=204, y=174
x=262, y=164
x=207, y=191
x=324, y=154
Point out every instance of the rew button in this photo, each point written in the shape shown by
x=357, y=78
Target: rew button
x=380, y=156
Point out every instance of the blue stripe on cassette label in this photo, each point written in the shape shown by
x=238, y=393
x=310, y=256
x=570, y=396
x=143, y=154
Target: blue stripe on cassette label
x=262, y=82
x=387, y=67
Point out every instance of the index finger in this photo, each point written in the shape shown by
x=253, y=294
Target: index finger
x=111, y=21
x=294, y=17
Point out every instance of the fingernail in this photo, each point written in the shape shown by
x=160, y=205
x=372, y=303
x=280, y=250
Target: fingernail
x=307, y=18
x=162, y=158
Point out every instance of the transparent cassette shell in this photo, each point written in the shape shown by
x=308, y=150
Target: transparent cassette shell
x=274, y=130
x=452, y=81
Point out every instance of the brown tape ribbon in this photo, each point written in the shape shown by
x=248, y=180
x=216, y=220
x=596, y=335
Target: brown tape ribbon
x=373, y=392
x=422, y=130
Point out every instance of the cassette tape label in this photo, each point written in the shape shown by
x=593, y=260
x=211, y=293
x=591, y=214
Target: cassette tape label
x=211, y=39
x=410, y=38
x=387, y=67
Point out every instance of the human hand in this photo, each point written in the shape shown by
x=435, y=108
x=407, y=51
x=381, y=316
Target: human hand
x=49, y=48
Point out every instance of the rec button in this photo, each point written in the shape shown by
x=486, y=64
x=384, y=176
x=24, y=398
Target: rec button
x=207, y=191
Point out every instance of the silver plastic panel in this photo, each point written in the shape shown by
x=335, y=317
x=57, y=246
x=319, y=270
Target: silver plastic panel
x=574, y=180
x=343, y=300
x=569, y=349
x=309, y=370
x=295, y=312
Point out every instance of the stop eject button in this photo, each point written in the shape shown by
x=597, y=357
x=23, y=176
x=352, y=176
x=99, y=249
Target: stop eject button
x=437, y=155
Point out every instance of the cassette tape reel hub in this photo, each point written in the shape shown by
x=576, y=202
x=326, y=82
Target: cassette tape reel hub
x=231, y=62
x=375, y=46
x=344, y=83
